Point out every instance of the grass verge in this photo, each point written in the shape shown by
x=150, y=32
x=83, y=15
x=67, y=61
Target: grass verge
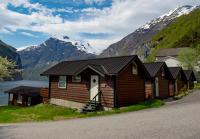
x=45, y=112
x=181, y=94
x=197, y=86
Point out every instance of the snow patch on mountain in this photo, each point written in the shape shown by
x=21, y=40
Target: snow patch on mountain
x=184, y=10
x=81, y=45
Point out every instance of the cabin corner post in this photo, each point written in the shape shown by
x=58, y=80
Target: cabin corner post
x=8, y=98
x=49, y=96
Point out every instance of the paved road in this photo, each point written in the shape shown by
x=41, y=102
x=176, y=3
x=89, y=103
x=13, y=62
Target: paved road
x=177, y=120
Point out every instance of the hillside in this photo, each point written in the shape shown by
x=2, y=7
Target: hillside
x=139, y=41
x=10, y=52
x=36, y=59
x=183, y=32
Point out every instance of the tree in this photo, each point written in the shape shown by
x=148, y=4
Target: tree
x=5, y=67
x=190, y=58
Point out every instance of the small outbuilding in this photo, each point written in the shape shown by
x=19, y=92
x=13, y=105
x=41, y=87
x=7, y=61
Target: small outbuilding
x=190, y=78
x=24, y=96
x=178, y=80
x=158, y=85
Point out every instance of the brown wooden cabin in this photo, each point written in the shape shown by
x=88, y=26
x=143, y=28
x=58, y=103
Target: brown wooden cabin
x=190, y=78
x=25, y=96
x=178, y=80
x=119, y=79
x=158, y=85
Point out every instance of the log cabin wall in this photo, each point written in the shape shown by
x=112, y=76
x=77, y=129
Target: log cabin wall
x=171, y=89
x=149, y=89
x=130, y=88
x=107, y=88
x=163, y=85
x=80, y=91
x=44, y=92
x=180, y=83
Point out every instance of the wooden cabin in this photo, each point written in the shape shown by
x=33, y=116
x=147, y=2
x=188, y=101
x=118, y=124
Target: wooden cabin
x=190, y=78
x=158, y=85
x=178, y=80
x=24, y=96
x=113, y=82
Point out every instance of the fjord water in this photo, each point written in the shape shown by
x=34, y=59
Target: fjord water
x=11, y=84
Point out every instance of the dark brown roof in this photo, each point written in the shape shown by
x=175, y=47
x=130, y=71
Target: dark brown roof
x=170, y=52
x=153, y=68
x=109, y=65
x=175, y=71
x=188, y=74
x=25, y=90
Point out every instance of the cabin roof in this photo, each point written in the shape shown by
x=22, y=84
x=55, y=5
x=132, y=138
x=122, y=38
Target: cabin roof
x=108, y=65
x=25, y=90
x=175, y=71
x=188, y=74
x=174, y=52
x=153, y=68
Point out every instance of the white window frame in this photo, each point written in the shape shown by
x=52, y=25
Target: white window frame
x=19, y=99
x=76, y=79
x=134, y=69
x=62, y=82
x=29, y=101
x=11, y=97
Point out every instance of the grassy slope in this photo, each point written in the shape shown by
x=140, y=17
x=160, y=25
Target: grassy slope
x=184, y=32
x=12, y=114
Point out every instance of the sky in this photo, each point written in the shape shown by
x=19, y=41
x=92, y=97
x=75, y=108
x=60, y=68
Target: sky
x=99, y=22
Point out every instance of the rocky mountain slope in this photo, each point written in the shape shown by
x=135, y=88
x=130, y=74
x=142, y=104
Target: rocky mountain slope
x=184, y=32
x=36, y=59
x=10, y=52
x=139, y=42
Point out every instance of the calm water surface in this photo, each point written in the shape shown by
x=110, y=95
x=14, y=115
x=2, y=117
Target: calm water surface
x=11, y=84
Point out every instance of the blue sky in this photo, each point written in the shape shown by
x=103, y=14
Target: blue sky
x=99, y=22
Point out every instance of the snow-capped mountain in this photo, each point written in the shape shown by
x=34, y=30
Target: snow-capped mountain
x=138, y=42
x=37, y=58
x=184, y=10
x=79, y=44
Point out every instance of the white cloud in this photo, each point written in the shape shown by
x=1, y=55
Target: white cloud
x=28, y=34
x=122, y=18
x=93, y=1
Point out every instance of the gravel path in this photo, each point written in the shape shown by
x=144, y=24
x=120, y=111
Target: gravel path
x=176, y=120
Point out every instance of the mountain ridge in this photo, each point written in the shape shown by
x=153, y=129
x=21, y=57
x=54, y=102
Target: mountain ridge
x=139, y=41
x=36, y=59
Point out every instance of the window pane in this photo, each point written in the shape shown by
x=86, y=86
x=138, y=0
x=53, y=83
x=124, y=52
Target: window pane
x=76, y=79
x=62, y=82
x=134, y=69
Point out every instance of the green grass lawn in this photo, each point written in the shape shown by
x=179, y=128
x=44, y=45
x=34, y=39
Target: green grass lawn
x=45, y=112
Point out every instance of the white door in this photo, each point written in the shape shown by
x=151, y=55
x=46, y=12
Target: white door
x=94, y=86
x=157, y=87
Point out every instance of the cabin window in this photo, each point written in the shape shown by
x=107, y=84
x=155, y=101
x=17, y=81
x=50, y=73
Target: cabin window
x=11, y=97
x=19, y=99
x=76, y=79
x=62, y=82
x=163, y=73
x=134, y=69
x=29, y=101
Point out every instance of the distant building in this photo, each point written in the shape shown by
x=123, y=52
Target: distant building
x=169, y=56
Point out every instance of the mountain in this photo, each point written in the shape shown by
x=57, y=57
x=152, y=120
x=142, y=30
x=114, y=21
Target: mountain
x=10, y=52
x=36, y=59
x=139, y=41
x=183, y=32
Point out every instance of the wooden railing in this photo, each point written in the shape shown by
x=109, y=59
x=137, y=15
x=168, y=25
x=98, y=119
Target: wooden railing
x=97, y=98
